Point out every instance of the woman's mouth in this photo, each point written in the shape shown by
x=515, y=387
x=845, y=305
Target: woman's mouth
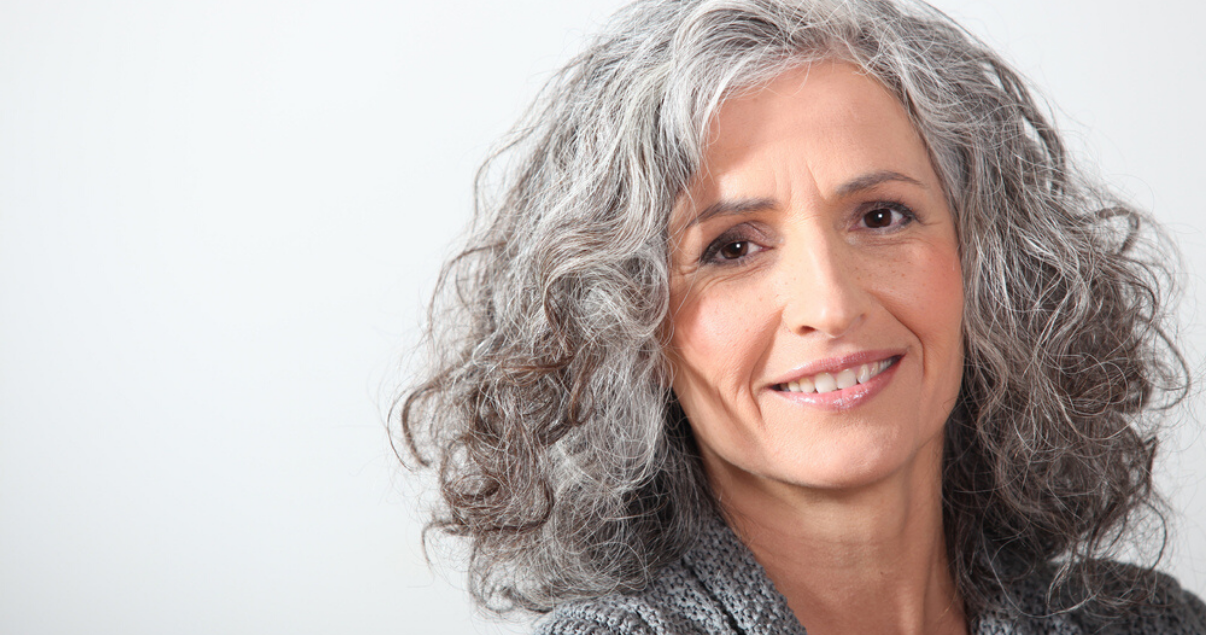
x=822, y=383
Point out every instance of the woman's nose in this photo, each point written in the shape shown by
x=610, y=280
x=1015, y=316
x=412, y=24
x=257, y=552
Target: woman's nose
x=821, y=289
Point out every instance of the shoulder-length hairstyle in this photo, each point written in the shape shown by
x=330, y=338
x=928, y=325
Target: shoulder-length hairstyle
x=562, y=456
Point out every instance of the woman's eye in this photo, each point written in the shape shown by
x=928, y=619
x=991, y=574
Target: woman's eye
x=734, y=250
x=730, y=250
x=886, y=217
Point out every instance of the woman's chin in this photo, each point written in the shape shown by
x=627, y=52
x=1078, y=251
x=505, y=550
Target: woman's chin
x=848, y=467
x=849, y=473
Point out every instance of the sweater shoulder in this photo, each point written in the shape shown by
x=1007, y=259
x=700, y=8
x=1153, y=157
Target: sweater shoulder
x=1161, y=605
x=675, y=603
x=1171, y=609
x=608, y=615
x=1033, y=605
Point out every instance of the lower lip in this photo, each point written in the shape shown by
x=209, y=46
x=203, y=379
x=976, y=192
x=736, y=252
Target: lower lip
x=846, y=398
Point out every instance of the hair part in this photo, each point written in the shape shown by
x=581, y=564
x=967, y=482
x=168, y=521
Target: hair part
x=546, y=409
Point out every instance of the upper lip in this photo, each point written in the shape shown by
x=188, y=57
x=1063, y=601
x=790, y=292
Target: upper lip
x=834, y=364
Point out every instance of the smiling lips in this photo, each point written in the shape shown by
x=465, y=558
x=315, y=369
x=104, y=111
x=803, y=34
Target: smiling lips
x=845, y=378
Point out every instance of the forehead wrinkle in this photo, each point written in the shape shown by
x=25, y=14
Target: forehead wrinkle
x=872, y=179
x=773, y=188
x=770, y=171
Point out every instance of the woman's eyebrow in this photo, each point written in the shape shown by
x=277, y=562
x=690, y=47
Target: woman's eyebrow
x=729, y=208
x=853, y=186
x=870, y=180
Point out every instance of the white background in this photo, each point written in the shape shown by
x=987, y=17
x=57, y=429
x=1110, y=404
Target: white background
x=219, y=221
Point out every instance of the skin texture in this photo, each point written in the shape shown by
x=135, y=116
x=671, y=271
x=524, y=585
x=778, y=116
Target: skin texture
x=818, y=229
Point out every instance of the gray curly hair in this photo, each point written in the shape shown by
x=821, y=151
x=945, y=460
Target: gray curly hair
x=561, y=453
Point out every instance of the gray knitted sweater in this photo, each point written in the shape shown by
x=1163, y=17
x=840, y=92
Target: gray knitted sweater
x=718, y=588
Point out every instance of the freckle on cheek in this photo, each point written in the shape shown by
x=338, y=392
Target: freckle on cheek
x=722, y=326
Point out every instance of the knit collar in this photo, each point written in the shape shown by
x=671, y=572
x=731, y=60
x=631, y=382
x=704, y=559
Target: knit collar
x=727, y=569
x=735, y=580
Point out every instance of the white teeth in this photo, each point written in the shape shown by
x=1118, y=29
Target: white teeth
x=824, y=383
x=845, y=378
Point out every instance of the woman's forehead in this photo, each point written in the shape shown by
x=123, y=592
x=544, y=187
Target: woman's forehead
x=823, y=126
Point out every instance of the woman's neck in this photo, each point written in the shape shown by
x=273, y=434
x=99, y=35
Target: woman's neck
x=867, y=560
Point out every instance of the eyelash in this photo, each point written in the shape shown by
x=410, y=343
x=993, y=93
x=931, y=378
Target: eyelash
x=907, y=214
x=734, y=236
x=737, y=235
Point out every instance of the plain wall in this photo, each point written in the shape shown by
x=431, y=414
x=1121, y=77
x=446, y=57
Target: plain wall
x=219, y=221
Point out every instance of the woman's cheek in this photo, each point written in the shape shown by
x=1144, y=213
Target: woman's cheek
x=715, y=329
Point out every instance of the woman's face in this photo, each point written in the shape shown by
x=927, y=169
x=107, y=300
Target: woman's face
x=816, y=293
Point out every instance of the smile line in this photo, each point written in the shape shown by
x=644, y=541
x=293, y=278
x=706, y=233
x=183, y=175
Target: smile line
x=825, y=382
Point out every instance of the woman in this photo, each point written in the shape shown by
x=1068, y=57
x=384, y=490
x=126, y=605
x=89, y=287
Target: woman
x=794, y=313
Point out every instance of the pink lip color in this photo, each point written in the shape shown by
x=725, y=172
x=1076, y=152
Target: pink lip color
x=846, y=398
x=835, y=364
